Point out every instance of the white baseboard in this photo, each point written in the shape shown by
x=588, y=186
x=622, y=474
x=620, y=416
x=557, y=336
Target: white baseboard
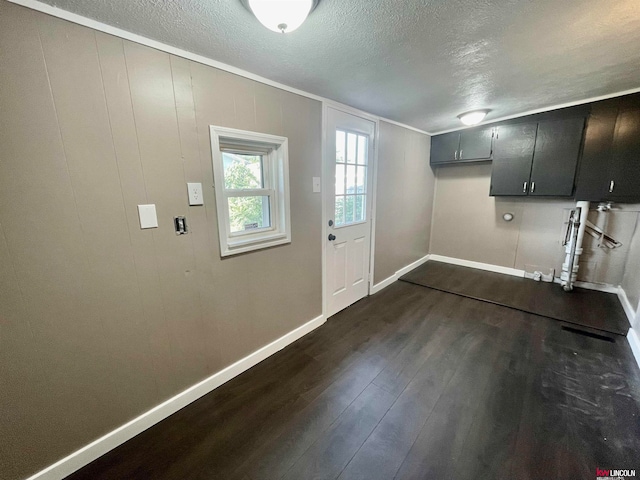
x=626, y=305
x=634, y=343
x=598, y=287
x=480, y=266
x=388, y=281
x=99, y=447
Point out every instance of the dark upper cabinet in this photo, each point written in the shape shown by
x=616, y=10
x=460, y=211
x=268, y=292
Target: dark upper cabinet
x=473, y=145
x=537, y=159
x=555, y=157
x=512, y=159
x=444, y=148
x=476, y=144
x=610, y=166
x=624, y=169
x=593, y=173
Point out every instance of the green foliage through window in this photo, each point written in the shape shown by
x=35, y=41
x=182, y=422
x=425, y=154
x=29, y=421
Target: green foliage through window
x=242, y=172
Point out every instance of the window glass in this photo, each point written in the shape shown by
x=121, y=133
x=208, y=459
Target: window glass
x=360, y=208
x=362, y=150
x=351, y=178
x=242, y=171
x=339, y=179
x=351, y=147
x=361, y=177
x=340, y=144
x=339, y=218
x=249, y=213
x=349, y=209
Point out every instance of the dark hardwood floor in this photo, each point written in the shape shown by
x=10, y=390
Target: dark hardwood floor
x=590, y=309
x=411, y=383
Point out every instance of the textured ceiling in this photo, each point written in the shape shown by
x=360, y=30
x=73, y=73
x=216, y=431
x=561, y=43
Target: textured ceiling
x=419, y=62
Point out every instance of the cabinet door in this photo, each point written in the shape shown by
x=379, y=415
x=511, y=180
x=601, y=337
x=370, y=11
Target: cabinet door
x=476, y=144
x=512, y=158
x=555, y=157
x=625, y=164
x=444, y=148
x=594, y=170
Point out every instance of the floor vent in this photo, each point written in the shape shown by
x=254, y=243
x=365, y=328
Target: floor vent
x=588, y=334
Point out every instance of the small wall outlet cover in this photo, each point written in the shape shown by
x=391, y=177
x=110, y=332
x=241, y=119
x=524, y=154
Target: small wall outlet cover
x=148, y=217
x=317, y=186
x=195, y=194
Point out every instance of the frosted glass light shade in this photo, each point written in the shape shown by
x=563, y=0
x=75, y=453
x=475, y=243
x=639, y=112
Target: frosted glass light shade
x=473, y=118
x=281, y=15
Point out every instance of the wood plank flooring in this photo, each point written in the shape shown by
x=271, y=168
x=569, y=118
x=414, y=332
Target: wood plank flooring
x=590, y=309
x=411, y=383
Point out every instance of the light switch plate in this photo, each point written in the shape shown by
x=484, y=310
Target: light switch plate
x=148, y=217
x=316, y=185
x=195, y=194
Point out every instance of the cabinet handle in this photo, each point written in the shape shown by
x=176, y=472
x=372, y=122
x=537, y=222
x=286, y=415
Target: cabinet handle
x=455, y=155
x=533, y=187
x=460, y=154
x=612, y=185
x=524, y=187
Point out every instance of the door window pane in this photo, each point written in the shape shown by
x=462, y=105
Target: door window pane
x=351, y=147
x=351, y=179
x=340, y=145
x=360, y=180
x=360, y=208
x=242, y=171
x=362, y=150
x=339, y=214
x=249, y=213
x=339, y=179
x=349, y=207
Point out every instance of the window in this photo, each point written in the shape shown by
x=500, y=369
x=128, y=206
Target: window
x=351, y=178
x=251, y=176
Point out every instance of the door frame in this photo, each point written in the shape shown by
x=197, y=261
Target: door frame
x=325, y=182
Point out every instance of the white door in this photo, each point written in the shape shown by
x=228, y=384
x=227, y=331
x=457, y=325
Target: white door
x=348, y=174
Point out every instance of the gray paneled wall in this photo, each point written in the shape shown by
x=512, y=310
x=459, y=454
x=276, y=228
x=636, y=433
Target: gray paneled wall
x=101, y=321
x=468, y=224
x=404, y=200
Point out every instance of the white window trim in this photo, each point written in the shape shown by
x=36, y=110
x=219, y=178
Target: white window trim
x=279, y=232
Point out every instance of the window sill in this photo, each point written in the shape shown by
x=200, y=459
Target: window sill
x=244, y=245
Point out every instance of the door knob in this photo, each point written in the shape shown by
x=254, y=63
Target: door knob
x=332, y=237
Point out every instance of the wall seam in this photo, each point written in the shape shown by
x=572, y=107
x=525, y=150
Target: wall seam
x=185, y=180
x=124, y=203
x=146, y=194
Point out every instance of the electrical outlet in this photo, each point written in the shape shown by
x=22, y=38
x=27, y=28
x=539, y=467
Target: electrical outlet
x=195, y=194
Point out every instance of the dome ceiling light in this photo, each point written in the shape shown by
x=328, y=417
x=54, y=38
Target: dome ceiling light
x=282, y=16
x=474, y=117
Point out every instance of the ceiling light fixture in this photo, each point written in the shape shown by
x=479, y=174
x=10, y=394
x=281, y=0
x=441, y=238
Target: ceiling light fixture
x=282, y=16
x=474, y=117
